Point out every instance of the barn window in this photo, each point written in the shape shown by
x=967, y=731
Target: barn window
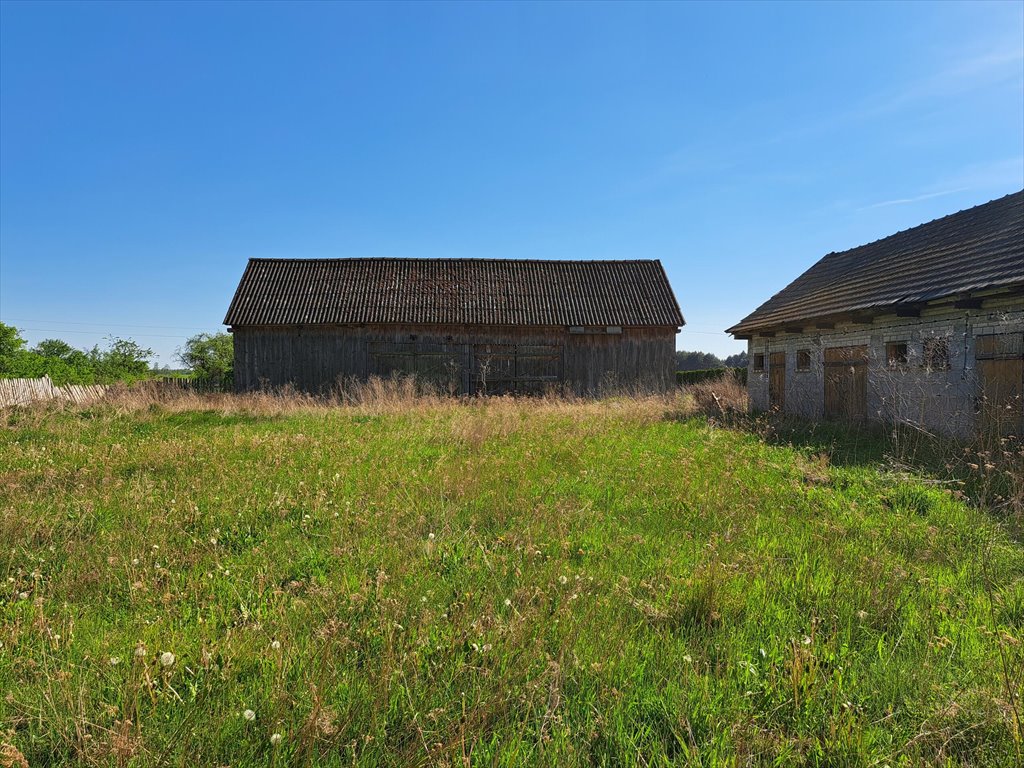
x=896, y=354
x=803, y=359
x=759, y=361
x=936, y=354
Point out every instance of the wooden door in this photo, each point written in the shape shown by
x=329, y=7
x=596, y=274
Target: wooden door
x=777, y=381
x=1000, y=365
x=846, y=383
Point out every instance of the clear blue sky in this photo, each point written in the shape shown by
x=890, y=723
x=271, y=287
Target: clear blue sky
x=147, y=150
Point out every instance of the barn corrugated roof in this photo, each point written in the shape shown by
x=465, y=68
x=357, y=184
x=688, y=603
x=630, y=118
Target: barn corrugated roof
x=454, y=292
x=975, y=249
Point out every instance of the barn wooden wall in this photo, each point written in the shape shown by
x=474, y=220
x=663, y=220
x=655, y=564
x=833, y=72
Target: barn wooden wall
x=317, y=358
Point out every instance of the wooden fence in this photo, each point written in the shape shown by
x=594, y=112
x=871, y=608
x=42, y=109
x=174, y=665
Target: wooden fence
x=24, y=391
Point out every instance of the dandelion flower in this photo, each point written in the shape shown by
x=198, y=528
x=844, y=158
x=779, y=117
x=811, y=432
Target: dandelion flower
x=249, y=715
x=275, y=739
x=166, y=659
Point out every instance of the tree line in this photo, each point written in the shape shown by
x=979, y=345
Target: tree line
x=701, y=361
x=205, y=355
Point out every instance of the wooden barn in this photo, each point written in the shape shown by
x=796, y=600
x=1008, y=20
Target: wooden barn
x=468, y=326
x=925, y=327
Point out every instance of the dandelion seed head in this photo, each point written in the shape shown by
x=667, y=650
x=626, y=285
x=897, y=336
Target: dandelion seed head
x=430, y=536
x=508, y=602
x=563, y=579
x=166, y=659
x=276, y=645
x=115, y=660
x=249, y=715
x=275, y=739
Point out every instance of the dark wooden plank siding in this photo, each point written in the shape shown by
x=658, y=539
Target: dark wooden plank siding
x=317, y=358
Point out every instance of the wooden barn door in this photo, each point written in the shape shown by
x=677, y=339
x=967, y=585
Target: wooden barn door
x=777, y=381
x=1000, y=363
x=846, y=383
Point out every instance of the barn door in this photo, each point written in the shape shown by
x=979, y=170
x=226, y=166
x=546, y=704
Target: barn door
x=520, y=369
x=777, y=381
x=846, y=383
x=1000, y=365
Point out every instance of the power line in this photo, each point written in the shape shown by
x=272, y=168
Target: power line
x=93, y=333
x=118, y=325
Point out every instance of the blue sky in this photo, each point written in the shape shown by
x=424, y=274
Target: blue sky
x=147, y=150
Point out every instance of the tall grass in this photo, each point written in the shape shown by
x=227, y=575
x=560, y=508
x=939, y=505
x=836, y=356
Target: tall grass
x=390, y=577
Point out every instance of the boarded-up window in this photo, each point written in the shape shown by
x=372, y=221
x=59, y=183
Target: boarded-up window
x=759, y=361
x=896, y=355
x=438, y=364
x=936, y=353
x=803, y=359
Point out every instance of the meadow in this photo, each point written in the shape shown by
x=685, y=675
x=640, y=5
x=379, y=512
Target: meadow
x=248, y=582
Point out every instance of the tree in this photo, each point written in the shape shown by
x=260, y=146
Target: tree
x=739, y=360
x=123, y=360
x=696, y=361
x=210, y=355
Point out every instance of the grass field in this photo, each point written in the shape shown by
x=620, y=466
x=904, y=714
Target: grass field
x=504, y=583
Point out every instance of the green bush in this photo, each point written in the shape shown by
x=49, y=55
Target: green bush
x=123, y=360
x=709, y=374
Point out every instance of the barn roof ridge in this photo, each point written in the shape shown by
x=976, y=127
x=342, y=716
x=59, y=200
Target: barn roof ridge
x=973, y=249
x=452, y=258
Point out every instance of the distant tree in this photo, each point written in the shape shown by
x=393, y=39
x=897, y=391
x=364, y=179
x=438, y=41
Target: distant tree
x=10, y=342
x=210, y=355
x=123, y=360
x=739, y=360
x=696, y=361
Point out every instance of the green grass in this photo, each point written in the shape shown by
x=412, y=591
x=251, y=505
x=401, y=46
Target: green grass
x=493, y=584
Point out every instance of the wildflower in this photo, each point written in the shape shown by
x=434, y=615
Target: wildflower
x=563, y=579
x=166, y=659
x=275, y=739
x=276, y=645
x=508, y=603
x=249, y=715
x=430, y=536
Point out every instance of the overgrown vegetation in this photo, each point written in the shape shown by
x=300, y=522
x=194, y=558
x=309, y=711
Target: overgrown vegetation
x=415, y=581
x=684, y=378
x=122, y=360
x=210, y=357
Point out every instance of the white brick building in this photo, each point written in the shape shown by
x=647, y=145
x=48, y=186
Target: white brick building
x=925, y=327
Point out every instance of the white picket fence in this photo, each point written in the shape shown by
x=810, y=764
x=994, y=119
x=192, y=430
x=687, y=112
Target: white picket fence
x=24, y=391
